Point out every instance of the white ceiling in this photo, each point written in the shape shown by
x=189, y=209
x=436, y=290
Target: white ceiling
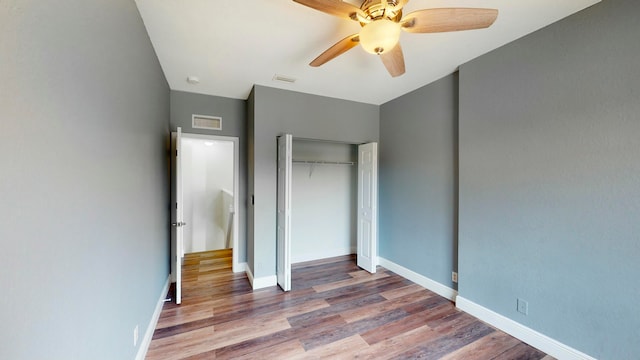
x=232, y=45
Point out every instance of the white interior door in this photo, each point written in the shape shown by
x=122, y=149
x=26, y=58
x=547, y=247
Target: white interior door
x=177, y=216
x=368, y=206
x=283, y=263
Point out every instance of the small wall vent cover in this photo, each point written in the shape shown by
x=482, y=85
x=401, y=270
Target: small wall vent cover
x=206, y=122
x=283, y=78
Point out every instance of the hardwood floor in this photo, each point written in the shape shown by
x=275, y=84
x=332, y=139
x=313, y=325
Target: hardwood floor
x=335, y=310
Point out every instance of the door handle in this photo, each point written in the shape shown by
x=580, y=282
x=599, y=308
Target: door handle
x=179, y=224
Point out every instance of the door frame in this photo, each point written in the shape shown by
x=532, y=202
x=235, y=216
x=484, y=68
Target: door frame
x=236, y=188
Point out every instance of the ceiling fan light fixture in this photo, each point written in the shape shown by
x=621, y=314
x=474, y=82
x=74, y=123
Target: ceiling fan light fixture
x=380, y=36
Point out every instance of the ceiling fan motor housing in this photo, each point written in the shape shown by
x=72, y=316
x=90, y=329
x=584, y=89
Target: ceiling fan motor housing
x=374, y=9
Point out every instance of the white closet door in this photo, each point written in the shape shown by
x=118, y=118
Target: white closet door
x=368, y=206
x=283, y=263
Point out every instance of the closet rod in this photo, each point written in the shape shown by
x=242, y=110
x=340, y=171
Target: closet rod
x=322, y=162
x=327, y=141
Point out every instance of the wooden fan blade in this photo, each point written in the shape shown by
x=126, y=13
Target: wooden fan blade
x=338, y=48
x=448, y=19
x=394, y=61
x=337, y=8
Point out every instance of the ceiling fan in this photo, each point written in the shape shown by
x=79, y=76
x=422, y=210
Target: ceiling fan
x=382, y=22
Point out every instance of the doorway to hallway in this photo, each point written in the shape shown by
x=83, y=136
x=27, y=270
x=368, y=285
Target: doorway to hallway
x=205, y=172
x=208, y=194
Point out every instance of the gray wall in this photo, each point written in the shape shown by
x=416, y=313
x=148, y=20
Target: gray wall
x=549, y=180
x=418, y=165
x=234, y=123
x=84, y=109
x=324, y=198
x=275, y=112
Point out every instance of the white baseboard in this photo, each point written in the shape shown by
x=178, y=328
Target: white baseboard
x=261, y=282
x=241, y=267
x=521, y=332
x=421, y=280
x=318, y=255
x=148, y=334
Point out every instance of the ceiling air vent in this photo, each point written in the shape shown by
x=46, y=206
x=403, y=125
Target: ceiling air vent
x=206, y=122
x=284, y=79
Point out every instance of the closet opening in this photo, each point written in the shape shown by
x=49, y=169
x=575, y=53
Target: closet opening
x=324, y=195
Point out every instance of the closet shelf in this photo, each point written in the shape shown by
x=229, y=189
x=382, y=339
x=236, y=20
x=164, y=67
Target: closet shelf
x=322, y=162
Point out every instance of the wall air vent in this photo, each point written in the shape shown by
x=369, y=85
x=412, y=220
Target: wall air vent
x=206, y=122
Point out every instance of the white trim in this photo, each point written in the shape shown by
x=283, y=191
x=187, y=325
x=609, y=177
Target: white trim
x=249, y=275
x=521, y=332
x=319, y=255
x=146, y=340
x=261, y=282
x=421, y=280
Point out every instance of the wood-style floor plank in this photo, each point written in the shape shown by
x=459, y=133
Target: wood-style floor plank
x=447, y=341
x=273, y=341
x=384, y=306
x=395, y=293
x=345, y=348
x=287, y=350
x=485, y=348
x=395, y=345
x=363, y=277
x=335, y=310
x=521, y=351
x=187, y=314
x=402, y=326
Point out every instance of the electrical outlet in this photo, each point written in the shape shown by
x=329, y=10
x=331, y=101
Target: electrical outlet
x=454, y=276
x=135, y=336
x=523, y=307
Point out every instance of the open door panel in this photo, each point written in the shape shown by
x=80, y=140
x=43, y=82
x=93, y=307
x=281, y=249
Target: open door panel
x=283, y=262
x=368, y=206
